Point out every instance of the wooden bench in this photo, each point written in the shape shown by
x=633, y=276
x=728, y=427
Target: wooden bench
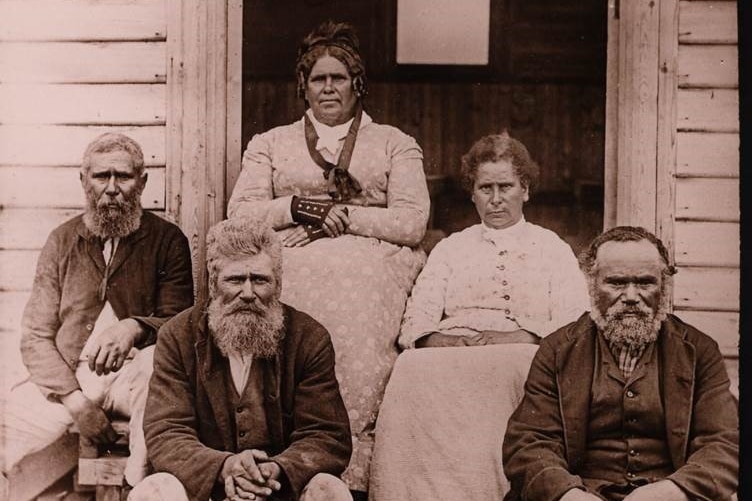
x=101, y=468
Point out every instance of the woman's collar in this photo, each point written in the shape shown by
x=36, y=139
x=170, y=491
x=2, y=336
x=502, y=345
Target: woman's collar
x=336, y=130
x=503, y=233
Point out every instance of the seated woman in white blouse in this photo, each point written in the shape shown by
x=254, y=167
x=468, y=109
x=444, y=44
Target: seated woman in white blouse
x=503, y=282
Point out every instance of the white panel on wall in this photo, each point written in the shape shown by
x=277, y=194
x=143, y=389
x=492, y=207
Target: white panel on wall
x=443, y=31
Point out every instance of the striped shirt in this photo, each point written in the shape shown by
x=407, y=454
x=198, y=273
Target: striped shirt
x=626, y=356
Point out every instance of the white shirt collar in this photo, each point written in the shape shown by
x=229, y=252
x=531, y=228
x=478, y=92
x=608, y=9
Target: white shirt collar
x=331, y=136
x=240, y=370
x=498, y=235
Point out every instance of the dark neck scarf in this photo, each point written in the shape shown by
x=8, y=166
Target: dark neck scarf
x=341, y=185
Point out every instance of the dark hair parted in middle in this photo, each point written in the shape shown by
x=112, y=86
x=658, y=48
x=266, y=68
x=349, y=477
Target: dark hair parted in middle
x=497, y=147
x=337, y=40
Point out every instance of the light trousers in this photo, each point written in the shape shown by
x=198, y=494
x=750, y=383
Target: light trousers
x=166, y=487
x=31, y=422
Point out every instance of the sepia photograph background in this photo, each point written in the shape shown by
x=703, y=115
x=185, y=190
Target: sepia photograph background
x=630, y=107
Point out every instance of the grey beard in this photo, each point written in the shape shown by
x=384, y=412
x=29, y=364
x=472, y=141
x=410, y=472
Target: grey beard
x=105, y=222
x=238, y=329
x=631, y=331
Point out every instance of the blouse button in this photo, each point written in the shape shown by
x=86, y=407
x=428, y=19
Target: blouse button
x=89, y=327
x=502, y=267
x=504, y=282
x=506, y=297
x=507, y=311
x=241, y=433
x=630, y=393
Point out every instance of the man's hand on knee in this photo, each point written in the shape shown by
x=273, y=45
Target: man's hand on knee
x=91, y=419
x=108, y=351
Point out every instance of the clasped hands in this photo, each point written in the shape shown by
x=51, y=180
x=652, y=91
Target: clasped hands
x=334, y=225
x=250, y=475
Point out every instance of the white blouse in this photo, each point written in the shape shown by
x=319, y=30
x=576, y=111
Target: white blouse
x=521, y=277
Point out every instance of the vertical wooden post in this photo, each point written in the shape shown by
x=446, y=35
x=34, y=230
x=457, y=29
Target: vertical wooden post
x=611, y=157
x=638, y=115
x=203, y=121
x=641, y=121
x=668, y=83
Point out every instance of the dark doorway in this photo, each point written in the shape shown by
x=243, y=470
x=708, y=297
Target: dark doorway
x=545, y=84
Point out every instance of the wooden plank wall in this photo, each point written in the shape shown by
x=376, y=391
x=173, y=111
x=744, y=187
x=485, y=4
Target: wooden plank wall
x=706, y=229
x=78, y=70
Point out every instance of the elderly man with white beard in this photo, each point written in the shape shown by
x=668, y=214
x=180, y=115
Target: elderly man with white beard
x=105, y=282
x=628, y=402
x=244, y=402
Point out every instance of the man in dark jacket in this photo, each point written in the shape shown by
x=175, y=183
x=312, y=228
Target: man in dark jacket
x=105, y=282
x=244, y=403
x=628, y=402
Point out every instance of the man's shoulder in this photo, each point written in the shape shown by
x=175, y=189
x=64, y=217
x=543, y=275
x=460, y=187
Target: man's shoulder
x=303, y=329
x=154, y=224
x=70, y=227
x=677, y=327
x=298, y=320
x=184, y=326
x=570, y=333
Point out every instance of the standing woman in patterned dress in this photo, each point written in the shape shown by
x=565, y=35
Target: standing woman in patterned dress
x=350, y=201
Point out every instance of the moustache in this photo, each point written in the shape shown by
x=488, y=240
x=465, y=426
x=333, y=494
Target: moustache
x=111, y=203
x=243, y=307
x=619, y=311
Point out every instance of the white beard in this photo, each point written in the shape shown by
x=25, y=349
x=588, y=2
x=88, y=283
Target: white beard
x=237, y=328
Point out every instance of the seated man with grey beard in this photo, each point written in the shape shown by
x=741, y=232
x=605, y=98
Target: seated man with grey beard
x=105, y=282
x=244, y=403
x=628, y=402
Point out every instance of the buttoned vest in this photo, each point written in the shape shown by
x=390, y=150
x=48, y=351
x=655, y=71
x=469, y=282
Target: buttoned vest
x=626, y=442
x=251, y=429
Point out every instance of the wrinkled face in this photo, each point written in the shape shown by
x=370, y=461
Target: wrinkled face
x=498, y=194
x=329, y=91
x=247, y=283
x=112, y=180
x=628, y=280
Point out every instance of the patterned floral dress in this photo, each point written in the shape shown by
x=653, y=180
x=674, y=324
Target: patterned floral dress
x=355, y=285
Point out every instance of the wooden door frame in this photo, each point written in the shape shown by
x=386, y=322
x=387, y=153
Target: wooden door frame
x=204, y=113
x=641, y=123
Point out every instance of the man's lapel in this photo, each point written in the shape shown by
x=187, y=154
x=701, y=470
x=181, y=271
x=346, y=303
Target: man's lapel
x=677, y=369
x=93, y=247
x=214, y=377
x=127, y=245
x=575, y=379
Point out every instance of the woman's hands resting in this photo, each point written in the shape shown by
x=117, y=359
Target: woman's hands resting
x=439, y=340
x=334, y=225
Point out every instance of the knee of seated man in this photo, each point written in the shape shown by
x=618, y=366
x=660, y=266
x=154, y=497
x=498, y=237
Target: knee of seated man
x=325, y=487
x=159, y=487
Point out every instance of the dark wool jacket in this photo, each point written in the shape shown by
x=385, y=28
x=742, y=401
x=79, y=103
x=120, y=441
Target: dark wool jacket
x=188, y=420
x=546, y=437
x=150, y=280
